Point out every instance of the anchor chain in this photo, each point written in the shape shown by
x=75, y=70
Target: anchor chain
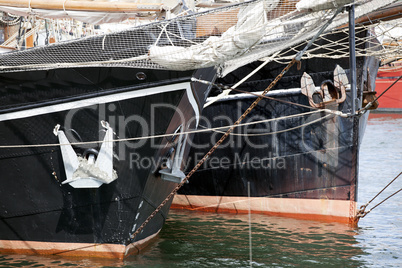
x=273, y=83
x=296, y=59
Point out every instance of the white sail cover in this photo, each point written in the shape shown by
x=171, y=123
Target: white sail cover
x=248, y=31
x=316, y=5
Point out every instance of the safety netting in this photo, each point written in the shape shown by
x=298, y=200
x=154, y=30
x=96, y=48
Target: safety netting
x=228, y=37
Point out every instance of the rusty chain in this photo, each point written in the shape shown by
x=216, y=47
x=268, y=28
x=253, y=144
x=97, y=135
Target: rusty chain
x=297, y=60
x=224, y=136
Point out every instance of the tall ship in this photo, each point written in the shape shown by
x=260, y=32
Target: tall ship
x=96, y=129
x=290, y=159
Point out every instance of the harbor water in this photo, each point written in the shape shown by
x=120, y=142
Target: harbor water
x=194, y=239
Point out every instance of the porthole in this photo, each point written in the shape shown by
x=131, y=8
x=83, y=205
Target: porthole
x=141, y=76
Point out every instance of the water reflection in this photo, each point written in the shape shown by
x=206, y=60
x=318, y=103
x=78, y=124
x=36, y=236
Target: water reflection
x=380, y=232
x=14, y=260
x=206, y=239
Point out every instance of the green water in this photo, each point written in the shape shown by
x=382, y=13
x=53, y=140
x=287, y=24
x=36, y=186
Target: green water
x=210, y=240
x=222, y=240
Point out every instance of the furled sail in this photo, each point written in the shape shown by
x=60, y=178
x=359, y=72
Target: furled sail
x=248, y=31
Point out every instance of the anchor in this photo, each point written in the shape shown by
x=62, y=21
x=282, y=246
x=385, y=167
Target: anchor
x=173, y=171
x=328, y=91
x=88, y=173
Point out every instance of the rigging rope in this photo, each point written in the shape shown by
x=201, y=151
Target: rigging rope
x=389, y=32
x=283, y=28
x=277, y=132
x=361, y=111
x=227, y=90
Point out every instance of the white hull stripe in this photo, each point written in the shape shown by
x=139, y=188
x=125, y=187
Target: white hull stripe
x=102, y=100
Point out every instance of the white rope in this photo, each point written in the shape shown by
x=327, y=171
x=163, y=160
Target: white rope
x=256, y=70
x=67, y=65
x=162, y=135
x=179, y=36
x=340, y=48
x=64, y=7
x=10, y=42
x=103, y=42
x=276, y=132
x=338, y=113
x=163, y=30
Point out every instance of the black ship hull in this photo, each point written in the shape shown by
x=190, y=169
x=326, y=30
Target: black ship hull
x=295, y=162
x=40, y=212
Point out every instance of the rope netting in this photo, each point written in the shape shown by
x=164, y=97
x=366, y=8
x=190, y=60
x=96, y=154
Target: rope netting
x=384, y=42
x=229, y=37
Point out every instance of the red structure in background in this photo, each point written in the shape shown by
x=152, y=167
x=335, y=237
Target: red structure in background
x=392, y=99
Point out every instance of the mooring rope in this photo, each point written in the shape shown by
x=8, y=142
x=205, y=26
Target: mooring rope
x=161, y=135
x=276, y=132
x=362, y=213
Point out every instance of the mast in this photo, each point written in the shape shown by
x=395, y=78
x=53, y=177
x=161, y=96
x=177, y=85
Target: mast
x=391, y=12
x=121, y=7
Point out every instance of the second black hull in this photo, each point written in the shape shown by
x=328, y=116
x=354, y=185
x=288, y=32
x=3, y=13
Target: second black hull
x=298, y=162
